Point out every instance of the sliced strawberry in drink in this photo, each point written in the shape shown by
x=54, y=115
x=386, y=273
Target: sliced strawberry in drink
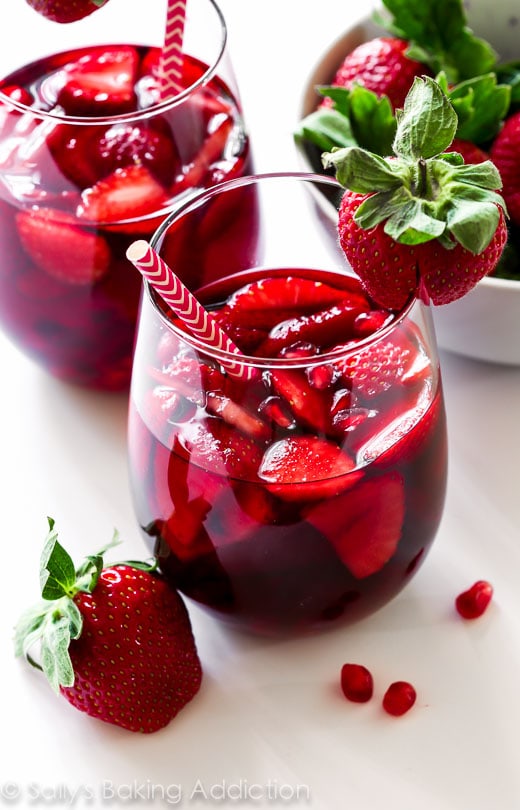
x=321, y=328
x=364, y=524
x=124, y=195
x=301, y=468
x=310, y=406
x=100, y=82
x=215, y=446
x=281, y=294
x=57, y=245
x=211, y=150
x=86, y=154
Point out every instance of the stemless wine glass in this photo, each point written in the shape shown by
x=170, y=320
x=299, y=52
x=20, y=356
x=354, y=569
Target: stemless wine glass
x=310, y=493
x=92, y=155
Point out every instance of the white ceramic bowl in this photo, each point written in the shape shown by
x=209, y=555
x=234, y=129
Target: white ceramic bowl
x=485, y=324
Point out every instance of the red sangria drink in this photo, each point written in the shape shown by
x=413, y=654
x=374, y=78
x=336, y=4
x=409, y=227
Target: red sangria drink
x=310, y=493
x=91, y=157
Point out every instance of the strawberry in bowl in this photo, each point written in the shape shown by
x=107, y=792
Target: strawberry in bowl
x=484, y=322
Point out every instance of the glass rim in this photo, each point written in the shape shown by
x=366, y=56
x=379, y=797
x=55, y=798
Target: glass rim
x=265, y=363
x=136, y=115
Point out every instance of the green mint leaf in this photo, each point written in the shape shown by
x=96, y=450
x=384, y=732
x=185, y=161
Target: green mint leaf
x=57, y=572
x=428, y=122
x=481, y=104
x=473, y=224
x=361, y=171
x=326, y=129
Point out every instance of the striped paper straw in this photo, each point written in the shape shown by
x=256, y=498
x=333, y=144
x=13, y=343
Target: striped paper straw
x=171, y=57
x=200, y=322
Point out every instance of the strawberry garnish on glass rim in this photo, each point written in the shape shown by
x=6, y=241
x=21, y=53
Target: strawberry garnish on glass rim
x=115, y=640
x=420, y=221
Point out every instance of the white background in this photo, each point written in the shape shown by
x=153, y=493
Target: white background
x=269, y=713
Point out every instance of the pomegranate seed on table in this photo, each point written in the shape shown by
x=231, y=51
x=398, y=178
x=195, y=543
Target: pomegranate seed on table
x=399, y=698
x=357, y=683
x=473, y=602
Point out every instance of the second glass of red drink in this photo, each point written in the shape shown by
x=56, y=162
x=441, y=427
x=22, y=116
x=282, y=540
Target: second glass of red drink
x=92, y=155
x=309, y=492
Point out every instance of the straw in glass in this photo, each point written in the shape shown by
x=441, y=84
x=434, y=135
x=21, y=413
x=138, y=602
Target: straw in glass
x=199, y=321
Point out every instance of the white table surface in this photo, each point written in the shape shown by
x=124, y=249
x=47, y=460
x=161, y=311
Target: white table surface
x=269, y=717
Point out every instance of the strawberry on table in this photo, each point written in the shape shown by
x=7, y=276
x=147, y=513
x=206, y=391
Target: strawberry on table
x=115, y=640
x=65, y=11
x=419, y=221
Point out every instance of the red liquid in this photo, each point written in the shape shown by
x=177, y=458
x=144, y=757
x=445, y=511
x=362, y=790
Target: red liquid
x=68, y=296
x=339, y=525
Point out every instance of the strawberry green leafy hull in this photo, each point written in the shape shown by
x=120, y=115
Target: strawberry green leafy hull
x=115, y=640
x=420, y=221
x=359, y=107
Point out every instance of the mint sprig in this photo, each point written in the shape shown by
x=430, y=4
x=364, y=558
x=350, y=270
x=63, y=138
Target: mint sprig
x=420, y=193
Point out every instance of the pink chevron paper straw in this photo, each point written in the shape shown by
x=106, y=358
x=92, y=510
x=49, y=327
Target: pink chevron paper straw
x=171, y=57
x=200, y=322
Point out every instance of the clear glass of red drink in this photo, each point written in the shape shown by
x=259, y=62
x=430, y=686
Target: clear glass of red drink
x=91, y=157
x=310, y=494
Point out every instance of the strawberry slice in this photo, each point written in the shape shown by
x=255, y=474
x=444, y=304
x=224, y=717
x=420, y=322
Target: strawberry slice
x=310, y=407
x=289, y=293
x=89, y=153
x=101, y=82
x=320, y=328
x=217, y=447
x=364, y=525
x=211, y=150
x=305, y=467
x=57, y=245
x=127, y=193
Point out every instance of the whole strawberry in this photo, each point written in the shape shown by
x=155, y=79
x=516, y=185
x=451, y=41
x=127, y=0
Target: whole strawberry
x=505, y=154
x=65, y=11
x=380, y=65
x=116, y=640
x=420, y=221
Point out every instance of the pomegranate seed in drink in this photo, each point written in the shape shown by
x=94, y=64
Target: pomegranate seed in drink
x=473, y=602
x=357, y=683
x=399, y=698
